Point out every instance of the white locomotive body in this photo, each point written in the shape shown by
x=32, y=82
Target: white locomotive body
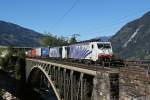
x=90, y=50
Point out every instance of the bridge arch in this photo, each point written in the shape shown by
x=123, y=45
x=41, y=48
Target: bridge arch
x=72, y=82
x=39, y=68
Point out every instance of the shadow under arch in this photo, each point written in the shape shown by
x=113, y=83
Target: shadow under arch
x=36, y=74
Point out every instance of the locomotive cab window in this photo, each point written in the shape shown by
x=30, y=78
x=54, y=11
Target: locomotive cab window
x=100, y=46
x=106, y=46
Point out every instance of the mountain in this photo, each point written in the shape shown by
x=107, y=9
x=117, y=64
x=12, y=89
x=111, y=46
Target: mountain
x=15, y=35
x=105, y=38
x=132, y=41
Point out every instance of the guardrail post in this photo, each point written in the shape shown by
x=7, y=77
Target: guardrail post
x=54, y=75
x=71, y=77
x=59, y=78
x=64, y=76
x=81, y=79
x=95, y=91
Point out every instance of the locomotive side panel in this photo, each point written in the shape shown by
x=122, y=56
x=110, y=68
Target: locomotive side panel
x=80, y=51
x=94, y=49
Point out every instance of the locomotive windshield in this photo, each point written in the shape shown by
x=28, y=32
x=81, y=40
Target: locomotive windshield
x=106, y=46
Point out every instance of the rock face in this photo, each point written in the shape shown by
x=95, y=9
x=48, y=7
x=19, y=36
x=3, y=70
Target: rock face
x=15, y=35
x=133, y=40
x=9, y=96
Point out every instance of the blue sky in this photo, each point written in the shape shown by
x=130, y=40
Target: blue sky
x=89, y=18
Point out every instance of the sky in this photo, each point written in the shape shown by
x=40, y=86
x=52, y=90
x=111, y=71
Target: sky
x=89, y=18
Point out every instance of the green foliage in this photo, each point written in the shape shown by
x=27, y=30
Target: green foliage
x=7, y=61
x=1, y=92
x=51, y=40
x=14, y=61
x=3, y=63
x=17, y=70
x=2, y=49
x=21, y=54
x=72, y=40
x=10, y=51
x=20, y=68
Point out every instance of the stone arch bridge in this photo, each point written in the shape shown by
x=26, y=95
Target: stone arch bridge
x=70, y=82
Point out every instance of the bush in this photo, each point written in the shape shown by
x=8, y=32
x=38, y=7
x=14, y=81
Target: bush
x=1, y=93
x=20, y=67
x=3, y=63
x=14, y=62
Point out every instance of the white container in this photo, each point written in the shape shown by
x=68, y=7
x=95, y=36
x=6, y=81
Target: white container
x=38, y=52
x=54, y=52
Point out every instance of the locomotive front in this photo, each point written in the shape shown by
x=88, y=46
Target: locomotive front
x=104, y=51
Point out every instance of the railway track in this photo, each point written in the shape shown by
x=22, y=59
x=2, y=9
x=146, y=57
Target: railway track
x=113, y=64
x=143, y=64
x=138, y=62
x=105, y=66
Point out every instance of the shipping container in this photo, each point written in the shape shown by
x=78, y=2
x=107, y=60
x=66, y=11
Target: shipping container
x=33, y=53
x=38, y=52
x=64, y=52
x=45, y=52
x=55, y=52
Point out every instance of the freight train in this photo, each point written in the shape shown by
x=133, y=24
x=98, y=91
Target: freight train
x=84, y=51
